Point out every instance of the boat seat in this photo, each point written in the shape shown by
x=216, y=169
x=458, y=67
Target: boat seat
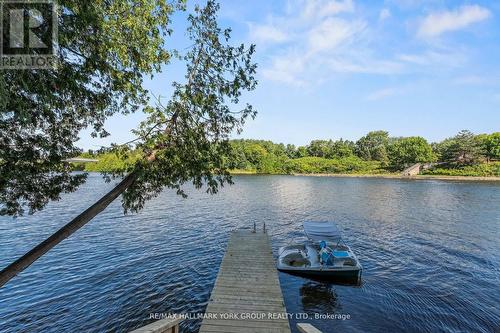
x=312, y=255
x=296, y=260
x=327, y=259
x=341, y=254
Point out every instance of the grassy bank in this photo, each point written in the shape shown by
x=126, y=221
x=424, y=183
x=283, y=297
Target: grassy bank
x=479, y=170
x=107, y=162
x=399, y=176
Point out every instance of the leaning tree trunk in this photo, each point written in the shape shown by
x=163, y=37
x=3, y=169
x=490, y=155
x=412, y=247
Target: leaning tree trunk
x=22, y=263
x=25, y=261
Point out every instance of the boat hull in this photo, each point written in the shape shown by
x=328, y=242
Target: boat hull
x=349, y=276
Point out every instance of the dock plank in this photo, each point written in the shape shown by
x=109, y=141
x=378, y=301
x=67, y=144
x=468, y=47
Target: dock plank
x=247, y=286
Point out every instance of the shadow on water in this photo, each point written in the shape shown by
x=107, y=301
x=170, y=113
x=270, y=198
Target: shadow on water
x=333, y=280
x=318, y=297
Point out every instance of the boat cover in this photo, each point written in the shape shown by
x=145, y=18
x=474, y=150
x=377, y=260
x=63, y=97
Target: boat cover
x=319, y=231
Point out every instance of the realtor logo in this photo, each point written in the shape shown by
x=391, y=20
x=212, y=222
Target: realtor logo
x=28, y=34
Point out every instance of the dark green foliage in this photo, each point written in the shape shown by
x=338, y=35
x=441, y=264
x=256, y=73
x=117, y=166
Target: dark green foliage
x=318, y=148
x=490, y=145
x=330, y=148
x=259, y=156
x=439, y=148
x=187, y=140
x=343, y=148
x=109, y=162
x=291, y=151
x=478, y=170
x=337, y=156
x=407, y=151
x=373, y=146
x=105, y=49
x=301, y=152
x=462, y=149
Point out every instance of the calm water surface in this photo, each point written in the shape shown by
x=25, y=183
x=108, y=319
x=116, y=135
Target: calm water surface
x=429, y=250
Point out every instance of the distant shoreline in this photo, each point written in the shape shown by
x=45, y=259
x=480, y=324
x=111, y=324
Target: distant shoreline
x=352, y=175
x=419, y=177
x=386, y=176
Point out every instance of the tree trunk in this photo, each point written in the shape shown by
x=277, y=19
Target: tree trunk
x=26, y=260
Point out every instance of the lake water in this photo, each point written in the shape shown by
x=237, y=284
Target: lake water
x=430, y=252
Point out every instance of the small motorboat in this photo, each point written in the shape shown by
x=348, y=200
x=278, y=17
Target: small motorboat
x=324, y=256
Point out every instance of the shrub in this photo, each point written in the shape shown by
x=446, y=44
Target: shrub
x=479, y=170
x=351, y=164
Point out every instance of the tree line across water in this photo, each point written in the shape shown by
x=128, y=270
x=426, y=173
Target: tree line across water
x=465, y=154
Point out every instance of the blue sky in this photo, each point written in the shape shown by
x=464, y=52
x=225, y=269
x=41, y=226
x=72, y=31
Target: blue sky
x=338, y=69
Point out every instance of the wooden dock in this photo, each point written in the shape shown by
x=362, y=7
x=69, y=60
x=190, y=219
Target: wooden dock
x=247, y=296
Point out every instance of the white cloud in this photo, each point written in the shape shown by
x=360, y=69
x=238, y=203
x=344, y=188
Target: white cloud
x=336, y=7
x=317, y=40
x=419, y=59
x=365, y=66
x=322, y=8
x=383, y=93
x=412, y=4
x=333, y=32
x=266, y=33
x=436, y=24
x=441, y=59
x=475, y=80
x=328, y=38
x=286, y=69
x=384, y=14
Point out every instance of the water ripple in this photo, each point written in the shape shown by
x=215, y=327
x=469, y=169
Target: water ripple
x=429, y=251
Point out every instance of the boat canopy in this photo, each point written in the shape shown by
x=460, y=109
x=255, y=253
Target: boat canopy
x=319, y=231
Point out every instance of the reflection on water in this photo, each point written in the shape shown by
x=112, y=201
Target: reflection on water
x=318, y=297
x=429, y=251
